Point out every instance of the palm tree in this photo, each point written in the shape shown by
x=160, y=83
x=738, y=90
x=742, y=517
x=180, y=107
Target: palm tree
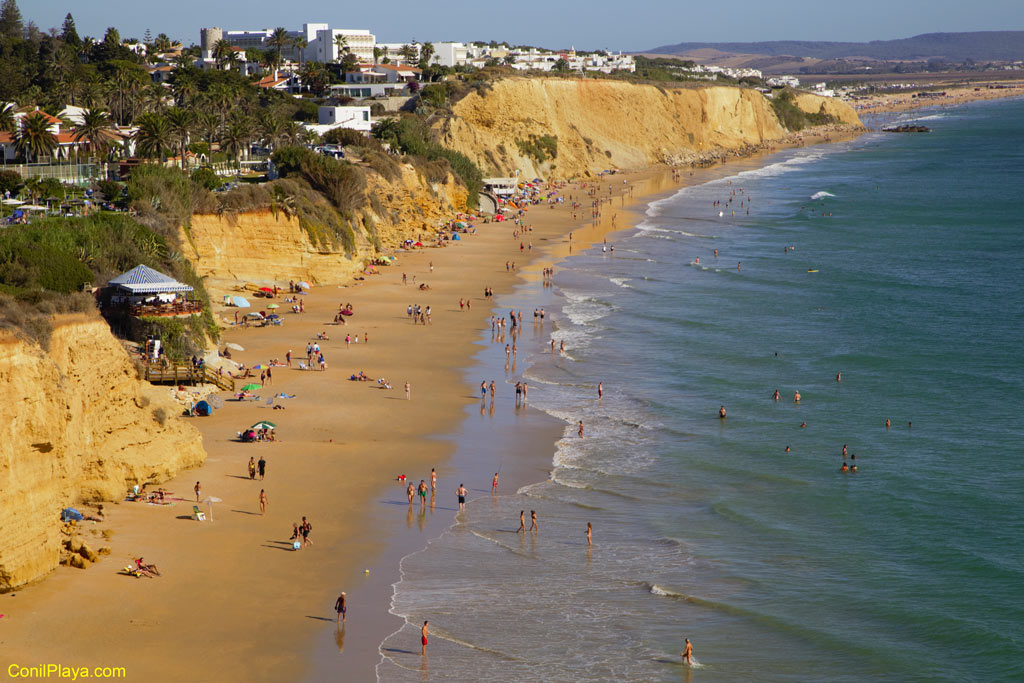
x=181, y=124
x=341, y=42
x=222, y=52
x=426, y=52
x=153, y=136
x=34, y=137
x=292, y=132
x=97, y=128
x=408, y=54
x=184, y=85
x=236, y=136
x=8, y=123
x=300, y=44
x=271, y=129
x=378, y=52
x=209, y=124
x=279, y=40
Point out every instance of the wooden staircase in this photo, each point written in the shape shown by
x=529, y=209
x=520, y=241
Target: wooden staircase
x=186, y=374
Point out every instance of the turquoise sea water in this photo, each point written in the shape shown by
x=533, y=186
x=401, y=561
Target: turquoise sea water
x=777, y=566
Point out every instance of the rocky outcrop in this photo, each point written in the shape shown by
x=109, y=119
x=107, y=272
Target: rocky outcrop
x=601, y=124
x=77, y=425
x=267, y=247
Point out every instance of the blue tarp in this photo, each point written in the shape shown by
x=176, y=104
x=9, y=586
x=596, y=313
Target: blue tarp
x=203, y=408
x=456, y=237
x=240, y=301
x=68, y=514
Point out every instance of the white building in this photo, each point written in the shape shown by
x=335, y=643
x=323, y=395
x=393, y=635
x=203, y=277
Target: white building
x=356, y=118
x=450, y=54
x=324, y=46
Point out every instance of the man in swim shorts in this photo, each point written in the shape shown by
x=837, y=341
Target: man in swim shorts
x=423, y=492
x=461, y=492
x=424, y=632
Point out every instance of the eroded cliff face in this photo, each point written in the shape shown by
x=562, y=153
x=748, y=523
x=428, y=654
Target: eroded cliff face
x=267, y=247
x=77, y=426
x=601, y=124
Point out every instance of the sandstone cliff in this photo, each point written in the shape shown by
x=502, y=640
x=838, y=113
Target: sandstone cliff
x=77, y=425
x=266, y=247
x=602, y=124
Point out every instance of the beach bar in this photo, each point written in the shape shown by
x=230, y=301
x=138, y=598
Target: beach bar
x=143, y=291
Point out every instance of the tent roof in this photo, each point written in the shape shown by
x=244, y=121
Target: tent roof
x=144, y=280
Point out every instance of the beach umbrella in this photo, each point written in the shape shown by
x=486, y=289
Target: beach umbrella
x=259, y=366
x=273, y=316
x=304, y=285
x=33, y=207
x=253, y=315
x=266, y=289
x=13, y=202
x=252, y=387
x=273, y=306
x=210, y=500
x=235, y=347
x=264, y=424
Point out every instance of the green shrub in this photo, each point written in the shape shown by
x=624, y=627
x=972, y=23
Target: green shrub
x=11, y=181
x=205, y=177
x=110, y=190
x=344, y=136
x=794, y=118
x=541, y=148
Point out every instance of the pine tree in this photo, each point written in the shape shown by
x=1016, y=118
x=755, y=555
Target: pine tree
x=69, y=34
x=11, y=25
x=148, y=37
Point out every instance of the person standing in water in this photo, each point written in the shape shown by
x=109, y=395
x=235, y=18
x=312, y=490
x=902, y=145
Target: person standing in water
x=522, y=522
x=461, y=492
x=533, y=521
x=721, y=412
x=339, y=607
x=424, y=632
x=590, y=530
x=494, y=483
x=687, y=653
x=579, y=430
x=600, y=389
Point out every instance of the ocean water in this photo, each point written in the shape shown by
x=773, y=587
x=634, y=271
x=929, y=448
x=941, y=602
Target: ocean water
x=776, y=565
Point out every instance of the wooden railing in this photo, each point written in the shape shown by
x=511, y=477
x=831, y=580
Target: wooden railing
x=186, y=374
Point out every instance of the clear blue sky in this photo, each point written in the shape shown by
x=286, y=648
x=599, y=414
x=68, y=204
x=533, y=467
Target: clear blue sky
x=630, y=25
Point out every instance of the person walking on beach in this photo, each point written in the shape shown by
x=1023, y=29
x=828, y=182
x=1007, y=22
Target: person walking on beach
x=461, y=493
x=424, y=632
x=408, y=392
x=492, y=389
x=305, y=528
x=494, y=483
x=522, y=522
x=288, y=357
x=262, y=467
x=411, y=492
x=252, y=467
x=423, y=493
x=687, y=653
x=263, y=503
x=483, y=389
x=339, y=607
x=533, y=521
x=433, y=480
x=579, y=430
x=198, y=489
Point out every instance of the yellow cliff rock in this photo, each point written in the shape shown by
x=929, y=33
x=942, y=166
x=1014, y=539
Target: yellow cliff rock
x=77, y=425
x=603, y=124
x=266, y=247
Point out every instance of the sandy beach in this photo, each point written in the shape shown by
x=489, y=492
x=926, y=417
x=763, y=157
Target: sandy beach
x=235, y=601
x=898, y=102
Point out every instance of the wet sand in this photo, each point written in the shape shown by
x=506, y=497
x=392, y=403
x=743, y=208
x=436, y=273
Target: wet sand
x=235, y=602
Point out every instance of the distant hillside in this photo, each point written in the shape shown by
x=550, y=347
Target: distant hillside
x=957, y=47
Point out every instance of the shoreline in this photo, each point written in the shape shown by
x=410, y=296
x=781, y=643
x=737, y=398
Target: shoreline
x=892, y=103
x=216, y=574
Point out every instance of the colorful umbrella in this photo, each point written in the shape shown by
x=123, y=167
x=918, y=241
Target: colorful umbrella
x=252, y=387
x=264, y=424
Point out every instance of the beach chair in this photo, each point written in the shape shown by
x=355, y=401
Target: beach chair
x=198, y=514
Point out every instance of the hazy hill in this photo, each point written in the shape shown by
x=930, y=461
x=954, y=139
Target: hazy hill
x=957, y=47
